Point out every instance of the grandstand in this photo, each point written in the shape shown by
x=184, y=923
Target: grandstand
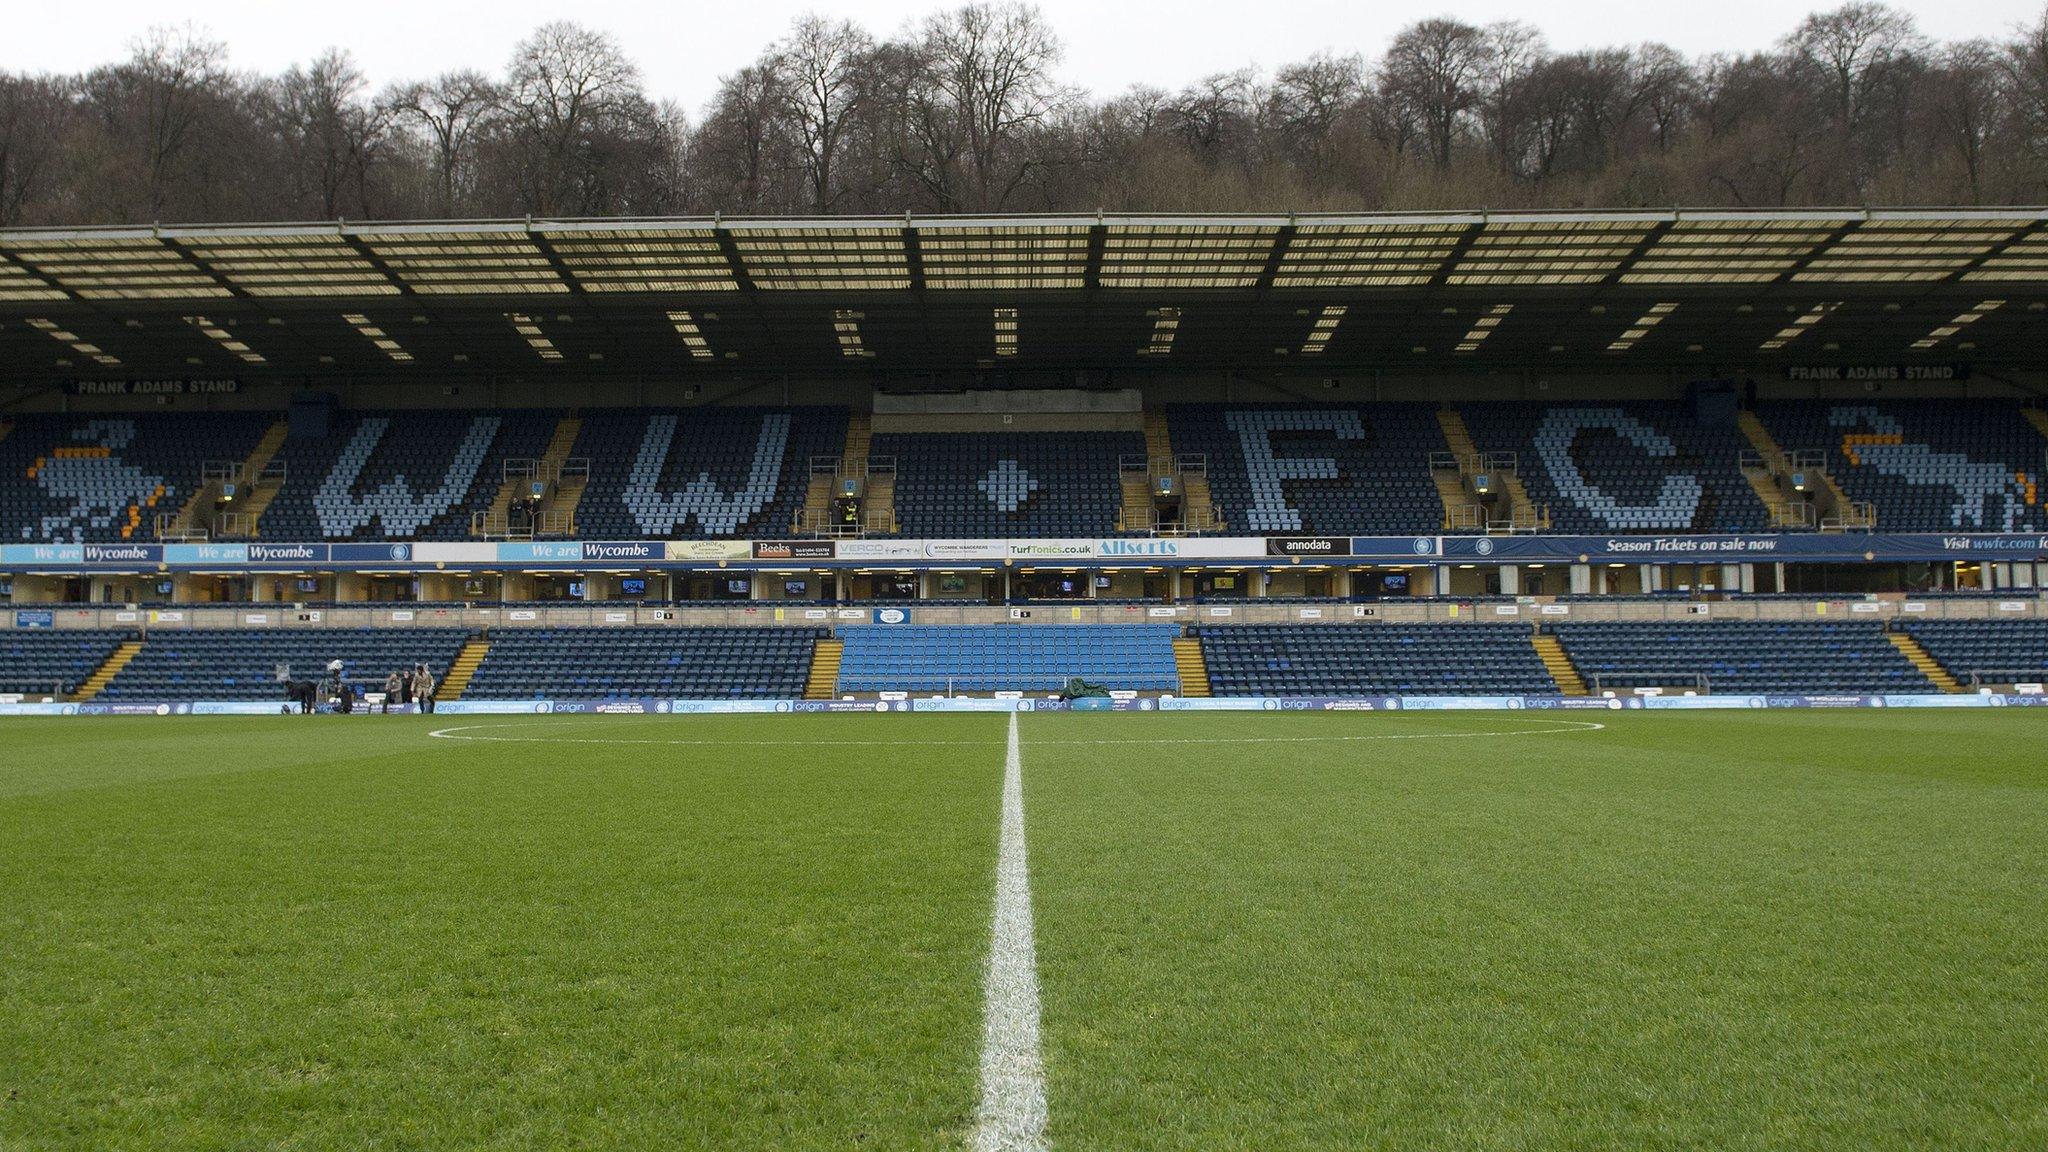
x=1270, y=460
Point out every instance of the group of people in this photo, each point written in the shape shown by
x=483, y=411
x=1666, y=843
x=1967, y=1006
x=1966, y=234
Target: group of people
x=415, y=685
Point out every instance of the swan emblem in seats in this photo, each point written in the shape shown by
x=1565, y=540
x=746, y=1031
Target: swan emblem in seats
x=98, y=489
x=1975, y=484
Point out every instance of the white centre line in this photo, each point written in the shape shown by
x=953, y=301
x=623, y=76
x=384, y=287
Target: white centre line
x=1012, y=1071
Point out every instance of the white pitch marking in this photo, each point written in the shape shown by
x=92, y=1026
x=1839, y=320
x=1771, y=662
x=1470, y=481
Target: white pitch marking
x=1566, y=726
x=1012, y=1071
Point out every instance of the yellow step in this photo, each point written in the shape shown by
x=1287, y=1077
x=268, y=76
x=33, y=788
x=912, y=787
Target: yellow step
x=456, y=682
x=1766, y=446
x=252, y=470
x=824, y=678
x=1158, y=441
x=105, y=673
x=2038, y=417
x=1559, y=664
x=1928, y=665
x=1193, y=669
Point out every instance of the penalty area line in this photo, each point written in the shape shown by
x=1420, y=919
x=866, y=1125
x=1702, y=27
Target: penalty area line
x=1013, y=1109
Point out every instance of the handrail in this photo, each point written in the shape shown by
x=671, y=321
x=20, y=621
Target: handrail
x=2007, y=676
x=1792, y=514
x=824, y=465
x=881, y=466
x=1633, y=677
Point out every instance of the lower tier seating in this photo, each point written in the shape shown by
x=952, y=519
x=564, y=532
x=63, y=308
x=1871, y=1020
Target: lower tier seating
x=2003, y=649
x=1738, y=656
x=242, y=665
x=1373, y=660
x=622, y=663
x=1008, y=657
x=39, y=660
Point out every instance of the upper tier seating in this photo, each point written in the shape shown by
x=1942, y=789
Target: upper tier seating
x=1357, y=470
x=1008, y=484
x=47, y=660
x=104, y=478
x=1928, y=465
x=400, y=475
x=1007, y=657
x=1373, y=660
x=2001, y=648
x=1642, y=467
x=1740, y=656
x=700, y=472
x=621, y=663
x=238, y=665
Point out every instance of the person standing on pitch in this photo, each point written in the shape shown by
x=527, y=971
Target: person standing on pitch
x=390, y=691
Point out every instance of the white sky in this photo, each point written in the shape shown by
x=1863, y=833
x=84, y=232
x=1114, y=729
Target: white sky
x=683, y=47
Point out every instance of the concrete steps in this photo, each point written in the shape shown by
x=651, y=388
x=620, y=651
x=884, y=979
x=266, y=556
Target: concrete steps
x=105, y=673
x=1559, y=665
x=2038, y=417
x=824, y=678
x=1193, y=669
x=252, y=469
x=1779, y=463
x=1157, y=440
x=1928, y=665
x=456, y=682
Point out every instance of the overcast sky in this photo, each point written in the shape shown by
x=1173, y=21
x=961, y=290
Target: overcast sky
x=684, y=47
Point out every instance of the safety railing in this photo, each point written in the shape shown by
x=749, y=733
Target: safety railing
x=1627, y=680
x=1794, y=514
x=1852, y=517
x=176, y=528
x=1996, y=677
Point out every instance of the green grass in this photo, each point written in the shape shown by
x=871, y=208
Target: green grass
x=1727, y=931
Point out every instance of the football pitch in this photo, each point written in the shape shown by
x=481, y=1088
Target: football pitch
x=1207, y=931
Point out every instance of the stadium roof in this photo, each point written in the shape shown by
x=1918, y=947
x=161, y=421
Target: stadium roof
x=1439, y=291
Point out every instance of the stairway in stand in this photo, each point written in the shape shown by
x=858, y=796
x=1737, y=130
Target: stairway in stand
x=824, y=678
x=260, y=495
x=1193, y=669
x=1458, y=438
x=101, y=676
x=456, y=682
x=1552, y=653
x=1779, y=463
x=1928, y=665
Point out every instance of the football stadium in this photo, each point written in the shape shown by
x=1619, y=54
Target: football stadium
x=1551, y=678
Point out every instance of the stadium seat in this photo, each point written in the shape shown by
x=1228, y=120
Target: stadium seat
x=700, y=472
x=1008, y=484
x=1006, y=657
x=664, y=663
x=1927, y=465
x=1357, y=470
x=1732, y=657
x=243, y=665
x=1373, y=660
x=1637, y=467
x=36, y=660
x=103, y=479
x=2002, y=651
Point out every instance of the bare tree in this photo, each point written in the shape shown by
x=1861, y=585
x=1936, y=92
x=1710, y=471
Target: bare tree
x=454, y=111
x=987, y=84
x=821, y=63
x=568, y=88
x=35, y=119
x=331, y=134
x=1432, y=73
